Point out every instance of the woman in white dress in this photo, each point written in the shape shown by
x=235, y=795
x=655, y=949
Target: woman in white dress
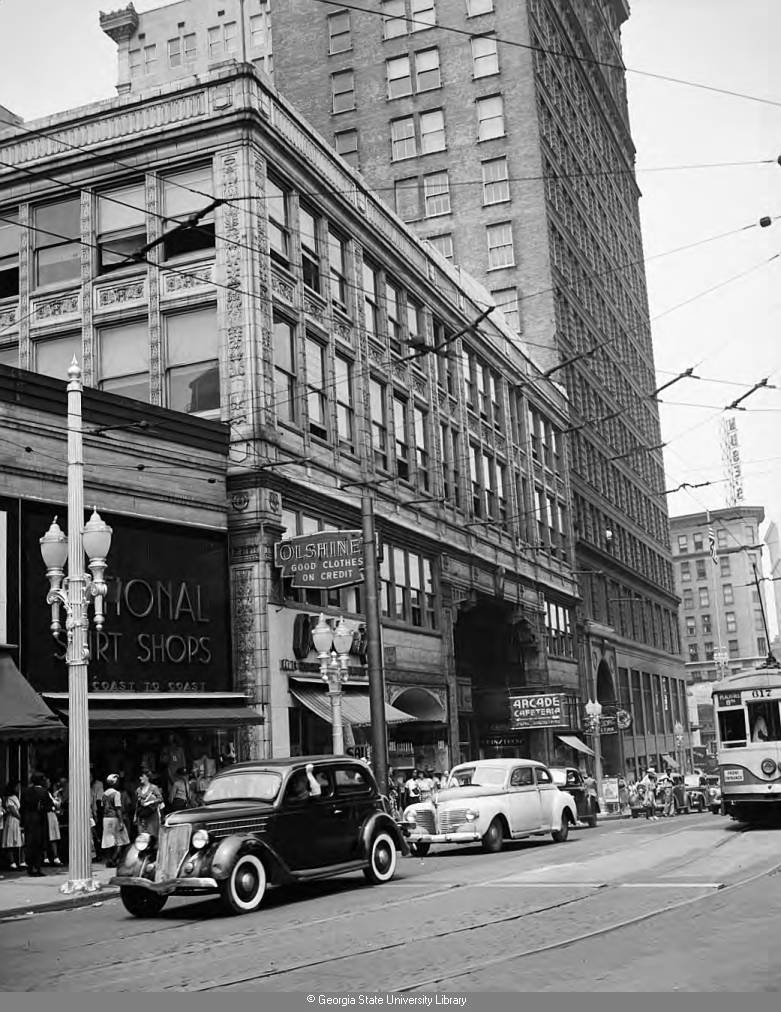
x=115, y=835
x=12, y=828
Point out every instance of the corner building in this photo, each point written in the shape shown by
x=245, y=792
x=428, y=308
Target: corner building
x=201, y=249
x=517, y=163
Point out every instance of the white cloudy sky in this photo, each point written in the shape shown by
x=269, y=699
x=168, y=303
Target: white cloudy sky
x=54, y=56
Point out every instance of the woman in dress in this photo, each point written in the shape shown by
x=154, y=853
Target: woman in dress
x=149, y=802
x=12, y=827
x=115, y=836
x=53, y=827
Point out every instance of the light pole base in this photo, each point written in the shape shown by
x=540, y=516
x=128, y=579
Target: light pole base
x=80, y=885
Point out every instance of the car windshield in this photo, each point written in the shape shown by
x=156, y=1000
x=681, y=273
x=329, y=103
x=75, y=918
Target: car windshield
x=252, y=785
x=489, y=776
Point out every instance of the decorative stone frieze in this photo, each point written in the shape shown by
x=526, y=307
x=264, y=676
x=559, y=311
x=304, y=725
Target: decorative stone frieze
x=61, y=307
x=188, y=280
x=315, y=308
x=283, y=288
x=125, y=294
x=344, y=332
x=8, y=317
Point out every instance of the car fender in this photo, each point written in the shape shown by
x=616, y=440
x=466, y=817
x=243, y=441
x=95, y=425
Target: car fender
x=382, y=821
x=138, y=863
x=227, y=850
x=565, y=802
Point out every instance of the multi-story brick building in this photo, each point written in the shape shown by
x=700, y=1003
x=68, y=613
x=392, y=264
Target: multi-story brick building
x=499, y=131
x=721, y=621
x=200, y=248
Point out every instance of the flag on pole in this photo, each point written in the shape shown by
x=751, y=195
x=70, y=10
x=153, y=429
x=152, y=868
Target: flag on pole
x=711, y=541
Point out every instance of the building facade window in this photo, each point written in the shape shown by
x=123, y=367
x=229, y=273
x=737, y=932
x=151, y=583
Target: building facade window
x=393, y=315
x=400, y=427
x=53, y=355
x=285, y=370
x=697, y=541
x=337, y=268
x=222, y=40
x=371, y=277
x=399, y=77
x=485, y=56
x=258, y=27
x=496, y=185
x=379, y=419
x=686, y=572
x=339, y=40
x=192, y=372
x=420, y=427
x=443, y=244
x=423, y=15
x=342, y=91
x=704, y=597
x=407, y=584
x=490, y=117
x=731, y=621
x=729, y=595
x=310, y=248
x=9, y=257
x=278, y=212
x=506, y=299
x=732, y=646
x=316, y=399
x=345, y=411
x=346, y=144
x=500, y=245
x=186, y=194
x=427, y=75
x=694, y=652
x=407, y=197
x=123, y=360
x=57, y=242
x=700, y=564
x=683, y=543
x=436, y=194
x=393, y=21
x=475, y=7
x=432, y=131
x=121, y=227
x=688, y=599
x=691, y=625
x=724, y=565
x=706, y=624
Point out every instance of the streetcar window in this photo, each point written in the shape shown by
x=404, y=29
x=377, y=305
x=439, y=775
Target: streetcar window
x=763, y=721
x=732, y=728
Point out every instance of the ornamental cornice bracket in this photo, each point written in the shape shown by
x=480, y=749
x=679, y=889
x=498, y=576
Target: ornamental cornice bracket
x=121, y=24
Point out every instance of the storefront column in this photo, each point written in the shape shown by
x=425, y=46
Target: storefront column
x=449, y=662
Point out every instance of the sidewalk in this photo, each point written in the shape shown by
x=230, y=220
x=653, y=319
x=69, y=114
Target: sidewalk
x=20, y=894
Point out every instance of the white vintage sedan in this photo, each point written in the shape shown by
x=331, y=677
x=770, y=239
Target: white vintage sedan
x=490, y=801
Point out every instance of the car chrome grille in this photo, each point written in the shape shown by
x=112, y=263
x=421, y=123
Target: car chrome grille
x=424, y=820
x=451, y=819
x=221, y=828
x=172, y=848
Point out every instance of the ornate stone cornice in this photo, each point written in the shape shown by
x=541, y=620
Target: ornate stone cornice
x=119, y=25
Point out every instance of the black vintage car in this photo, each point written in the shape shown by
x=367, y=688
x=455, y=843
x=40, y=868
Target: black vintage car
x=570, y=779
x=262, y=824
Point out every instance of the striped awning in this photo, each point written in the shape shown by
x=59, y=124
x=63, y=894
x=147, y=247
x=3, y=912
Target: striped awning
x=356, y=709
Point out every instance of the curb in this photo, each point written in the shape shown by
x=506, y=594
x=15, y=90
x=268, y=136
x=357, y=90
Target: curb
x=66, y=903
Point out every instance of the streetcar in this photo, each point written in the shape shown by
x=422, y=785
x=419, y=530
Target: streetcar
x=747, y=716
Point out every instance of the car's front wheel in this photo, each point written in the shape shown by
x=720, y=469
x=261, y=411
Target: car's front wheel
x=493, y=839
x=420, y=848
x=244, y=889
x=382, y=860
x=141, y=902
x=560, y=835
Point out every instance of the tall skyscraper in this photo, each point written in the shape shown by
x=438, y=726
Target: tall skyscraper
x=499, y=131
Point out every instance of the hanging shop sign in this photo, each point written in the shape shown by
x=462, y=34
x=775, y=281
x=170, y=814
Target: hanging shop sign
x=544, y=710
x=623, y=719
x=323, y=560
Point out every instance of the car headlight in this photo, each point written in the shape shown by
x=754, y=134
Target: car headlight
x=200, y=839
x=142, y=841
x=471, y=815
x=768, y=767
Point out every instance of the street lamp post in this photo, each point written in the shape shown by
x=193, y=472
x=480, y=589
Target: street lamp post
x=594, y=712
x=73, y=593
x=678, y=731
x=333, y=646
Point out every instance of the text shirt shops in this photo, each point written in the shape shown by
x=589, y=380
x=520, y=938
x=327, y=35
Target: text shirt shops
x=160, y=690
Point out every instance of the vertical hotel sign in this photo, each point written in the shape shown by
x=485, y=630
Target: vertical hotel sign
x=322, y=560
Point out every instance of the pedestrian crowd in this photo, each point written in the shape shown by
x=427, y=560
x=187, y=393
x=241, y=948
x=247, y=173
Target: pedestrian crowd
x=420, y=785
x=34, y=819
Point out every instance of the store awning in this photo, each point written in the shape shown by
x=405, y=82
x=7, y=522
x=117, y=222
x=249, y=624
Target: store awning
x=576, y=743
x=24, y=716
x=172, y=714
x=668, y=759
x=355, y=707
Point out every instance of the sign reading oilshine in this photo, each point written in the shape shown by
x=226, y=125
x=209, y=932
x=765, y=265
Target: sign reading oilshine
x=322, y=560
x=544, y=710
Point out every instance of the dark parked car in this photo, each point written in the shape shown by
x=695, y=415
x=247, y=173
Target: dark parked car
x=570, y=779
x=261, y=824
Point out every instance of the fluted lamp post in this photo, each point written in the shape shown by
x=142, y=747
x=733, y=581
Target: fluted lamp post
x=594, y=713
x=333, y=647
x=73, y=593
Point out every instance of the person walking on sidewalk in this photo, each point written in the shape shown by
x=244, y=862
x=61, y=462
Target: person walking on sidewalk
x=115, y=836
x=53, y=835
x=12, y=827
x=35, y=807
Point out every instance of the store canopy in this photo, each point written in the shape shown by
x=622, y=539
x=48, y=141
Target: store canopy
x=23, y=714
x=576, y=743
x=175, y=714
x=355, y=707
x=668, y=759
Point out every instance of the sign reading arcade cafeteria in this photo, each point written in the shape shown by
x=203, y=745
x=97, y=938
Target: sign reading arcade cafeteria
x=537, y=711
x=322, y=560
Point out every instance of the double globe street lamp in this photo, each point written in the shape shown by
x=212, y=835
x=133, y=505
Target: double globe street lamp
x=333, y=647
x=594, y=714
x=73, y=593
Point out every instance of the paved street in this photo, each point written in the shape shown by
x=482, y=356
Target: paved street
x=456, y=920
